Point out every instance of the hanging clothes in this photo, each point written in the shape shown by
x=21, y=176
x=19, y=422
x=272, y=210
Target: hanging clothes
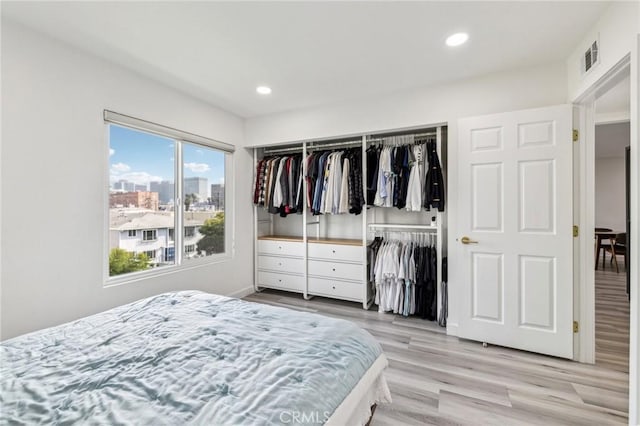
x=404, y=275
x=414, y=184
x=434, y=183
x=334, y=182
x=401, y=171
x=278, y=185
x=373, y=158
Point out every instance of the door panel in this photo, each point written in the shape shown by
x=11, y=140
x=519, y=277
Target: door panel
x=531, y=135
x=515, y=207
x=488, y=290
x=487, y=196
x=537, y=200
x=486, y=139
x=537, y=292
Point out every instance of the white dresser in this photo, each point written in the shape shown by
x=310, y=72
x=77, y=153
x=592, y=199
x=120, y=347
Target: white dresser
x=336, y=269
x=330, y=267
x=281, y=263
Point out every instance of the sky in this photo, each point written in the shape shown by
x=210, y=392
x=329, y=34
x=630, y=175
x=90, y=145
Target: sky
x=141, y=158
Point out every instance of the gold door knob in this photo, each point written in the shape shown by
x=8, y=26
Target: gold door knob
x=467, y=240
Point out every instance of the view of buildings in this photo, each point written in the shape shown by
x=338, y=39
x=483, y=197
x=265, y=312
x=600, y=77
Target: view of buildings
x=217, y=196
x=198, y=186
x=143, y=199
x=142, y=221
x=165, y=190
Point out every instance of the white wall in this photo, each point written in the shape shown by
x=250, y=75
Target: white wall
x=610, y=143
x=610, y=194
x=54, y=180
x=431, y=105
x=616, y=31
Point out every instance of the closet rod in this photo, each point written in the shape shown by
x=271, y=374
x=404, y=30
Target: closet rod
x=402, y=226
x=277, y=151
x=320, y=146
x=415, y=137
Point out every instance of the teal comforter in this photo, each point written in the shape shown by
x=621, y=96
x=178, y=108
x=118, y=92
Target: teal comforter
x=184, y=358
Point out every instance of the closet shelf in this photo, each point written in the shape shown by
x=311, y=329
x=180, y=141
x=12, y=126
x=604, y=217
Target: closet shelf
x=340, y=241
x=402, y=226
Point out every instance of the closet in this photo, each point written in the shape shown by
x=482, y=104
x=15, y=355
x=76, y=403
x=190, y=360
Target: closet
x=319, y=205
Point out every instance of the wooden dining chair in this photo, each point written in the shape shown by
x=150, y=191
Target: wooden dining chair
x=601, y=245
x=617, y=247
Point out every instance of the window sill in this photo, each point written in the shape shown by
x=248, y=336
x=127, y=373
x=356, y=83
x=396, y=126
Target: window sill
x=167, y=270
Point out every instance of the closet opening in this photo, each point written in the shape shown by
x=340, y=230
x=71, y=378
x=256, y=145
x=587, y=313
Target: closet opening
x=325, y=210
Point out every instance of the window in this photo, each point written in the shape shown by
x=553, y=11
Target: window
x=160, y=180
x=149, y=235
x=169, y=253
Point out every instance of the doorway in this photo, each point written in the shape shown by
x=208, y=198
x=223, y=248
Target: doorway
x=612, y=139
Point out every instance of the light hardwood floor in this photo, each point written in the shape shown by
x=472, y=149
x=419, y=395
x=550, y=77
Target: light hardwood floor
x=612, y=317
x=442, y=380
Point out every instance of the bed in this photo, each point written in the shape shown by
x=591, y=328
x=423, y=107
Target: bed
x=193, y=358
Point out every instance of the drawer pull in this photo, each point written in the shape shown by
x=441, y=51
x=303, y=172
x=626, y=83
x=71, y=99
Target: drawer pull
x=333, y=287
x=279, y=247
x=279, y=263
x=333, y=269
x=333, y=251
x=279, y=280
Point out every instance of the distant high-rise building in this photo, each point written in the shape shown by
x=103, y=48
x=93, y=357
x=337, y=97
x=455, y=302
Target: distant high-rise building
x=198, y=186
x=140, y=187
x=124, y=185
x=165, y=190
x=217, y=195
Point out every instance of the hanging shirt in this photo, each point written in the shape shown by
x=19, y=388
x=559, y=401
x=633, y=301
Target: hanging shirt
x=434, y=185
x=414, y=185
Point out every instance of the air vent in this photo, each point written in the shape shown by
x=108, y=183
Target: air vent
x=591, y=57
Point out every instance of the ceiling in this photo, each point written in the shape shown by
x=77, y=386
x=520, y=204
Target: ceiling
x=311, y=53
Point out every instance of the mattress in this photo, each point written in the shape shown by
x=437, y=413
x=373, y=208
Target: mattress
x=192, y=358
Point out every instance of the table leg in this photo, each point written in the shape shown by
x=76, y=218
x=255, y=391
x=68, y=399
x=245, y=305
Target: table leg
x=598, y=247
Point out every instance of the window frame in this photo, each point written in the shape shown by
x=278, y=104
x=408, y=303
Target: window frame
x=180, y=138
x=191, y=234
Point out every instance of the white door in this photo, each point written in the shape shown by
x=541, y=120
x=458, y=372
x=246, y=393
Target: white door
x=515, y=210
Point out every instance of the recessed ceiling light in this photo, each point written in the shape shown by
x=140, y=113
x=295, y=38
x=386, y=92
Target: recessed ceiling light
x=263, y=90
x=457, y=39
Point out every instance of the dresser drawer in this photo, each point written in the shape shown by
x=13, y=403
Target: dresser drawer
x=336, y=289
x=281, y=264
x=345, y=271
x=281, y=248
x=340, y=252
x=281, y=281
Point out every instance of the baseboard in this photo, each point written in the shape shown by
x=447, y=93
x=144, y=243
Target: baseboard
x=452, y=329
x=242, y=292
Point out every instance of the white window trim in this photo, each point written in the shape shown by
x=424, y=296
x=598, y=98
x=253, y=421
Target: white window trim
x=179, y=137
x=169, y=132
x=154, y=234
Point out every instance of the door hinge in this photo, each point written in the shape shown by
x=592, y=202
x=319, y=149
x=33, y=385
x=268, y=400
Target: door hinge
x=576, y=230
x=576, y=327
x=576, y=135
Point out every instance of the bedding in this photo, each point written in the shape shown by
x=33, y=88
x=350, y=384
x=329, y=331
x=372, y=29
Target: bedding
x=187, y=358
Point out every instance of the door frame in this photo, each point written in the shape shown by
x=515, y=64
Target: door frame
x=584, y=199
x=584, y=203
